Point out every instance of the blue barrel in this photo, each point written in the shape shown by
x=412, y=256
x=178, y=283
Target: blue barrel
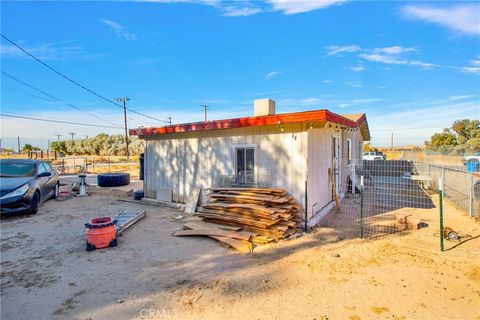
x=472, y=166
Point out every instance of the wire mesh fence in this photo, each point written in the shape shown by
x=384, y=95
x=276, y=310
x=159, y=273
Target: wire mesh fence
x=385, y=196
x=460, y=187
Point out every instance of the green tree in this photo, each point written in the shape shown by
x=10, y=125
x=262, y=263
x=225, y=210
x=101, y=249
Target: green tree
x=27, y=147
x=443, y=139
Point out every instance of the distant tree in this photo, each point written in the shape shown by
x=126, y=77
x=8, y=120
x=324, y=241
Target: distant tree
x=102, y=144
x=58, y=146
x=443, y=139
x=463, y=137
x=27, y=147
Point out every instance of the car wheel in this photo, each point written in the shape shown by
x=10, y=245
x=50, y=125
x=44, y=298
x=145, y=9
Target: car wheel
x=35, y=203
x=56, y=191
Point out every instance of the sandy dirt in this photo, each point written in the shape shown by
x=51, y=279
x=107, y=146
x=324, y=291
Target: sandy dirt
x=328, y=274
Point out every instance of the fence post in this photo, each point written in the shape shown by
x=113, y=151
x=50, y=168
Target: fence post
x=63, y=165
x=470, y=195
x=440, y=196
x=361, y=206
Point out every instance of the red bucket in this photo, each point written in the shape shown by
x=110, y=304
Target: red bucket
x=101, y=233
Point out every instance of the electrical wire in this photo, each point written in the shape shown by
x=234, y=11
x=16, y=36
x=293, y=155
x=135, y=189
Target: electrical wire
x=55, y=98
x=75, y=82
x=57, y=121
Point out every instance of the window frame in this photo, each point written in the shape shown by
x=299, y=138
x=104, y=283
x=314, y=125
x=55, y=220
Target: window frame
x=349, y=151
x=235, y=161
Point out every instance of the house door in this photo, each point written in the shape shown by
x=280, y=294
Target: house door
x=336, y=162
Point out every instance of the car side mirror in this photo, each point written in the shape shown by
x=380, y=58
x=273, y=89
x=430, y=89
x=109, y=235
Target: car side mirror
x=44, y=174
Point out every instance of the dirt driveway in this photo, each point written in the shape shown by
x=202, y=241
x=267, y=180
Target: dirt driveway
x=47, y=274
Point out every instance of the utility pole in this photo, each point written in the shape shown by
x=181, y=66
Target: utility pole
x=125, y=99
x=72, y=134
x=205, y=108
x=18, y=142
x=391, y=142
x=58, y=137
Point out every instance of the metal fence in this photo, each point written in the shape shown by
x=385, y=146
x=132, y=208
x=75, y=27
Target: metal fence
x=395, y=196
x=76, y=165
x=385, y=193
x=460, y=187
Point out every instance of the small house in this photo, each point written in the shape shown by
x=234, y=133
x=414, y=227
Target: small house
x=306, y=153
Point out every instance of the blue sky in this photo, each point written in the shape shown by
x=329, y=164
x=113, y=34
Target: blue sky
x=413, y=67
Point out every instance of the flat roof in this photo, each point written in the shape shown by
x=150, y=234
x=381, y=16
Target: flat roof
x=351, y=121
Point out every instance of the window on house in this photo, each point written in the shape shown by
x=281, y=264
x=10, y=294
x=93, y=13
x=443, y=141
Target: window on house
x=245, y=165
x=349, y=151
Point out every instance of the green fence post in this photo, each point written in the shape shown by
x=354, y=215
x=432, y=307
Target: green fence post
x=440, y=196
x=362, y=189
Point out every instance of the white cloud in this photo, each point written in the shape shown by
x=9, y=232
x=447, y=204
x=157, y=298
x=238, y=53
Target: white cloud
x=45, y=51
x=300, y=6
x=310, y=100
x=333, y=50
x=474, y=66
x=272, y=75
x=462, y=97
x=358, y=69
x=460, y=18
x=366, y=100
x=354, y=84
x=387, y=55
x=235, y=11
x=394, y=50
x=327, y=81
x=394, y=59
x=119, y=30
x=427, y=121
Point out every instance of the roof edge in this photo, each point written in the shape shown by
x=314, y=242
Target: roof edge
x=284, y=118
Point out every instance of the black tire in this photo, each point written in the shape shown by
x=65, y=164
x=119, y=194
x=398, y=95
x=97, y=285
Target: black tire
x=35, y=203
x=90, y=247
x=113, y=243
x=113, y=179
x=56, y=191
x=138, y=195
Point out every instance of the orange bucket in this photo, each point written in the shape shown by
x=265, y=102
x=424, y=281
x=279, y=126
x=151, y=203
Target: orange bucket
x=101, y=233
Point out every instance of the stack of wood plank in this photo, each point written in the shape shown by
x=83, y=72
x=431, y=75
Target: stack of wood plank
x=270, y=214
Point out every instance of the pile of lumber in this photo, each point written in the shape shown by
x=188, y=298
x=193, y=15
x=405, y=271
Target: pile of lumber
x=230, y=236
x=270, y=214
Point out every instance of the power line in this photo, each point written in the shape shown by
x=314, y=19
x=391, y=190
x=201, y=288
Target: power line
x=58, y=121
x=75, y=82
x=28, y=94
x=55, y=98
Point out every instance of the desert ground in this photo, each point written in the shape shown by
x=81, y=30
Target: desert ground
x=327, y=274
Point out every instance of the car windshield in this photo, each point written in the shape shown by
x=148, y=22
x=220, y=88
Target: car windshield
x=12, y=170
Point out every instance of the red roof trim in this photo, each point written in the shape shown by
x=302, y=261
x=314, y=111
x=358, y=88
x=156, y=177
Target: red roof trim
x=296, y=117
